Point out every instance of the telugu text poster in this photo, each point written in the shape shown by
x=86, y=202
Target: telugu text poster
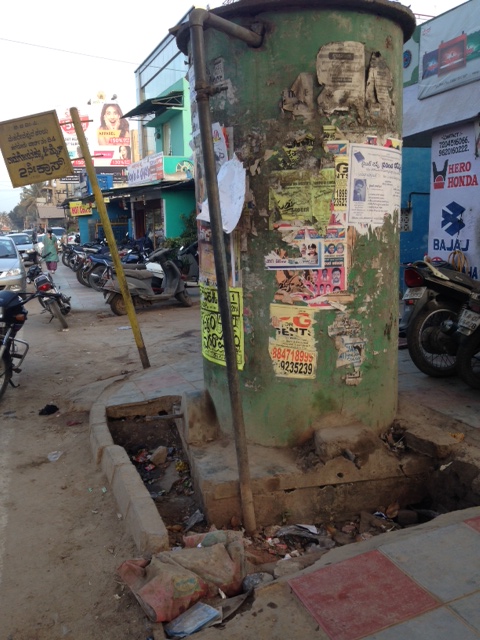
x=374, y=184
x=212, y=333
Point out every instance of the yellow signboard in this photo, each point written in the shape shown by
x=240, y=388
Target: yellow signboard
x=34, y=149
x=80, y=209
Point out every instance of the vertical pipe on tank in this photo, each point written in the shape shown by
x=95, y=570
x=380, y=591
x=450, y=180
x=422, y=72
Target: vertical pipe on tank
x=198, y=18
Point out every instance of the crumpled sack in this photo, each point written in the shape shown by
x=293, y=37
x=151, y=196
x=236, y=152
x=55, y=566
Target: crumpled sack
x=172, y=581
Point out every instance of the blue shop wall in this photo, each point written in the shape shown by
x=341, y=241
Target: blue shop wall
x=177, y=203
x=90, y=227
x=416, y=189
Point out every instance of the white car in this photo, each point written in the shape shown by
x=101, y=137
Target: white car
x=24, y=245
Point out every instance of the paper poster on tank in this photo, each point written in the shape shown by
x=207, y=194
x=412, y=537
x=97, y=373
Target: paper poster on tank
x=314, y=288
x=212, y=334
x=454, y=196
x=341, y=74
x=304, y=253
x=374, y=185
x=300, y=196
x=341, y=183
x=292, y=348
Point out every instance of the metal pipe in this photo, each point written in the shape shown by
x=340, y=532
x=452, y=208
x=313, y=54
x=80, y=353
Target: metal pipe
x=198, y=18
x=202, y=18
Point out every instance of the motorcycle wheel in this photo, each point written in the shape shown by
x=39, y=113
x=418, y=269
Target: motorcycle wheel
x=468, y=361
x=117, y=305
x=57, y=313
x=5, y=372
x=96, y=279
x=421, y=332
x=66, y=256
x=82, y=277
x=184, y=298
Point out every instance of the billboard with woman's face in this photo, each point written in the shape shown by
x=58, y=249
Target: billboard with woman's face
x=108, y=137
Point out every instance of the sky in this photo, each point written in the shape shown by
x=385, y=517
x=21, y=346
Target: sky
x=56, y=57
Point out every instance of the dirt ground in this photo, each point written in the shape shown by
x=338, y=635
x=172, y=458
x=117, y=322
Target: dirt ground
x=61, y=538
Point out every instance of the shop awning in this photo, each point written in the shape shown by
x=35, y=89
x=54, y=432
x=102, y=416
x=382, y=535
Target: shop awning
x=157, y=105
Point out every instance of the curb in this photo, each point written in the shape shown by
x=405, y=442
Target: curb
x=143, y=522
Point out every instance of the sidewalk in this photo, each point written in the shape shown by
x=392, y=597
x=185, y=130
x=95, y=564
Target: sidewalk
x=421, y=583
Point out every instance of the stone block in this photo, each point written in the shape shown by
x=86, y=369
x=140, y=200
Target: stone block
x=100, y=437
x=355, y=441
x=127, y=486
x=145, y=525
x=113, y=457
x=200, y=423
x=159, y=456
x=430, y=441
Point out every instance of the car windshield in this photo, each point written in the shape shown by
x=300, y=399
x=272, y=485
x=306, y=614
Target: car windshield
x=7, y=248
x=21, y=238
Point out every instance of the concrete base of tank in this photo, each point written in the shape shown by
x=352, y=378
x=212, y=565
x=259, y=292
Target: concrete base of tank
x=341, y=471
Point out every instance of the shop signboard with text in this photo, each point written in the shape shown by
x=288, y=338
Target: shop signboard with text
x=455, y=197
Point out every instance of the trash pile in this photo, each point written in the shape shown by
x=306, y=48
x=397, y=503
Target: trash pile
x=207, y=579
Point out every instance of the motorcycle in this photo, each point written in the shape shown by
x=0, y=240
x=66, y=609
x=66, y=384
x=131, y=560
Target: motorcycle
x=95, y=268
x=436, y=293
x=147, y=287
x=12, y=318
x=467, y=333
x=12, y=350
x=49, y=296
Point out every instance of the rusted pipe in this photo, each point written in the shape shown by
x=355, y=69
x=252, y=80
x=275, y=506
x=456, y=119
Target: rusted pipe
x=203, y=18
x=199, y=18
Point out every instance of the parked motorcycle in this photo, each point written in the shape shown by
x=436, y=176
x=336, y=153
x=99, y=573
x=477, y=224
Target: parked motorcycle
x=435, y=293
x=146, y=287
x=468, y=336
x=12, y=318
x=49, y=296
x=12, y=350
x=95, y=268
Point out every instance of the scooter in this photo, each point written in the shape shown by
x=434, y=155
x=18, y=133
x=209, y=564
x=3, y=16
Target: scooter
x=145, y=287
x=435, y=294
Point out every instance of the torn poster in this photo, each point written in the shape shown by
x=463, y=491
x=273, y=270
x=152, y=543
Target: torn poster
x=231, y=186
x=298, y=100
x=341, y=73
x=379, y=89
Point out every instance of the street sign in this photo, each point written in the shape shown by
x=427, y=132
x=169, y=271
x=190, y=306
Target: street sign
x=34, y=149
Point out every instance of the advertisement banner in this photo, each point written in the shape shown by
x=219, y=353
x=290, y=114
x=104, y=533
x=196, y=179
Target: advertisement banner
x=108, y=137
x=147, y=170
x=449, y=51
x=411, y=55
x=454, y=197
x=293, y=349
x=33, y=149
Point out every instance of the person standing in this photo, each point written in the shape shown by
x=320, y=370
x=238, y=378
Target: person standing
x=49, y=251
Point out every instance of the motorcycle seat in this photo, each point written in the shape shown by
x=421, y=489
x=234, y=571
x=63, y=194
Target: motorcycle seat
x=138, y=274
